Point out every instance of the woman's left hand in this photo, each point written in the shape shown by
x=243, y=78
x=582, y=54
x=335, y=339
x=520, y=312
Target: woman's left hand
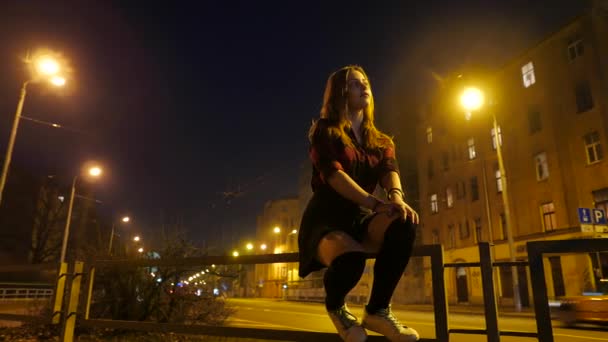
x=407, y=210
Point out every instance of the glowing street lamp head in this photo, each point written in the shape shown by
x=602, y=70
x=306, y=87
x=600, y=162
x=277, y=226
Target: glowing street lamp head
x=47, y=65
x=126, y=219
x=295, y=231
x=471, y=99
x=249, y=246
x=95, y=171
x=263, y=246
x=276, y=230
x=235, y=254
x=140, y=249
x=136, y=238
x=57, y=81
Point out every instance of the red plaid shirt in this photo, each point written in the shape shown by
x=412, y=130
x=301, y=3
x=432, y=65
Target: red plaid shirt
x=366, y=167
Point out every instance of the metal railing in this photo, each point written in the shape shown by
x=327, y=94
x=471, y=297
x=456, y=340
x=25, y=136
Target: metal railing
x=536, y=251
x=24, y=293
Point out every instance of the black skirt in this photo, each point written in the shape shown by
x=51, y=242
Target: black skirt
x=327, y=211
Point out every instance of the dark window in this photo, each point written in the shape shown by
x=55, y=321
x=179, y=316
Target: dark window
x=534, y=121
x=575, y=49
x=474, y=189
x=584, y=99
x=478, y=237
x=461, y=190
x=503, y=226
x=558, y=276
x=445, y=160
x=464, y=230
x=431, y=172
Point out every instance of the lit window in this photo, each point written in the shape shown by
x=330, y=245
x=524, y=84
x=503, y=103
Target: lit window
x=593, y=147
x=434, y=204
x=548, y=212
x=429, y=135
x=449, y=196
x=471, y=146
x=493, y=133
x=498, y=180
x=527, y=72
x=542, y=168
x=575, y=49
x=61, y=198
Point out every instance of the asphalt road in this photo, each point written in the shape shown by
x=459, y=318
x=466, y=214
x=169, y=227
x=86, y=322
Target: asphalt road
x=275, y=314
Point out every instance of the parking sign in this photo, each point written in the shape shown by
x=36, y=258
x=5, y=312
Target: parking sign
x=599, y=216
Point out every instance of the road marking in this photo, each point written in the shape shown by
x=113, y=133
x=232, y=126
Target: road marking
x=585, y=337
x=268, y=324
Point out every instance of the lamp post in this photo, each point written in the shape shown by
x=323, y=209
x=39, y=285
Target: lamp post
x=93, y=172
x=472, y=99
x=125, y=219
x=45, y=68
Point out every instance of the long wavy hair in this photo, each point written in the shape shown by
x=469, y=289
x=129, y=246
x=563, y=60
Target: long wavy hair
x=335, y=110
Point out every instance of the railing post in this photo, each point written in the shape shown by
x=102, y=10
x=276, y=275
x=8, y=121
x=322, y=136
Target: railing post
x=67, y=335
x=59, y=293
x=489, y=297
x=539, y=292
x=440, y=301
x=89, y=292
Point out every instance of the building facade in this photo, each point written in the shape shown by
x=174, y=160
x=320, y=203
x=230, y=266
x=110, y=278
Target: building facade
x=277, y=230
x=550, y=105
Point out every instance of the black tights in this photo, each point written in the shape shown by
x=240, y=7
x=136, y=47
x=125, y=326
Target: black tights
x=341, y=276
x=390, y=263
x=346, y=269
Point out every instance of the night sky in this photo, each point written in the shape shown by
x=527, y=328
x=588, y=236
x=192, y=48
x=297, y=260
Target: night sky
x=186, y=100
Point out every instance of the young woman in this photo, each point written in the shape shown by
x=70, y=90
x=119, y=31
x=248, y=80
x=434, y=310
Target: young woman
x=343, y=220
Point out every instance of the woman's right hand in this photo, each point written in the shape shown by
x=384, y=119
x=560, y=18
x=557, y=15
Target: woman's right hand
x=389, y=208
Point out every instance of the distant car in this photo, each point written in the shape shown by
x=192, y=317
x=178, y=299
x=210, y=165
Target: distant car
x=592, y=309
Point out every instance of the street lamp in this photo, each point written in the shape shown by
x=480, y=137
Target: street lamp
x=94, y=172
x=249, y=246
x=44, y=68
x=472, y=99
x=125, y=219
x=136, y=238
x=140, y=250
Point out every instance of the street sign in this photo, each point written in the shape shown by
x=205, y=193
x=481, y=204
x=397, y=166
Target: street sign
x=586, y=228
x=599, y=216
x=584, y=216
x=601, y=229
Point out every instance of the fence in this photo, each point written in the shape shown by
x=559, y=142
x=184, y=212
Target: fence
x=536, y=251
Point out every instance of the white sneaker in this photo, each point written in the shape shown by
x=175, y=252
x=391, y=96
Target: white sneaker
x=346, y=323
x=385, y=323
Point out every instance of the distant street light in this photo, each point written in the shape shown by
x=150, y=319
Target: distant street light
x=472, y=99
x=263, y=246
x=249, y=246
x=125, y=219
x=136, y=238
x=94, y=172
x=45, y=68
x=235, y=254
x=276, y=230
x=140, y=249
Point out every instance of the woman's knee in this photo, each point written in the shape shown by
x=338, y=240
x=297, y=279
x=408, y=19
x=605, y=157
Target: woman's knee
x=401, y=231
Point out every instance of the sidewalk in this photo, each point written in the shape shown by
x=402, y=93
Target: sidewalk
x=469, y=309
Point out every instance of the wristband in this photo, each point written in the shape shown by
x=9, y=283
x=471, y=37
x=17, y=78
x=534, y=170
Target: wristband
x=391, y=190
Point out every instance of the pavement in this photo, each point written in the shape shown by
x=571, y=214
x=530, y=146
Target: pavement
x=469, y=309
